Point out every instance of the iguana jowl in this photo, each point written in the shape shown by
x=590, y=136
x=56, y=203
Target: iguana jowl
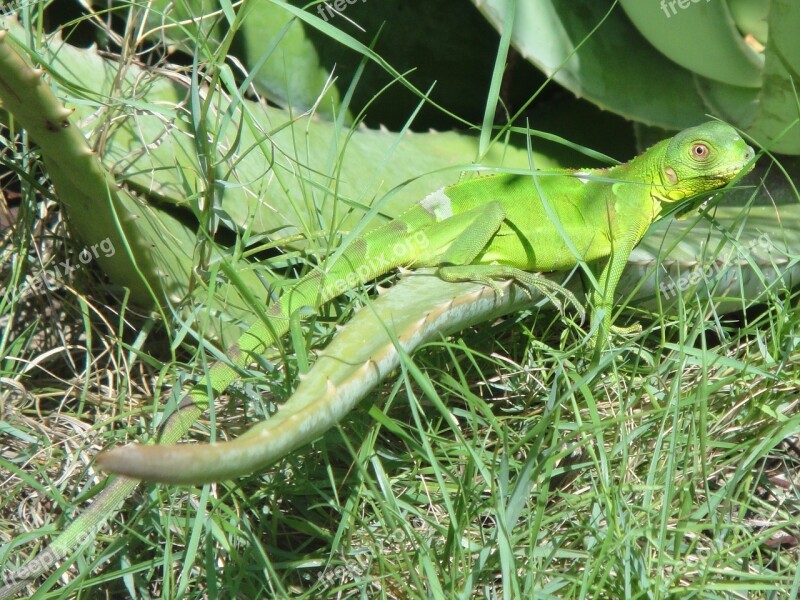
x=487, y=229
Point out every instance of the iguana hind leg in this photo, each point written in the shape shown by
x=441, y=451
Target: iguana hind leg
x=491, y=274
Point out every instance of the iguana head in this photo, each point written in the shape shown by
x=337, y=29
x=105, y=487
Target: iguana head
x=701, y=159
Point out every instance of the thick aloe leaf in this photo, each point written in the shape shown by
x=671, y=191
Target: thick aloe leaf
x=752, y=90
x=725, y=57
x=731, y=256
x=613, y=67
x=95, y=204
x=695, y=59
x=290, y=70
x=779, y=104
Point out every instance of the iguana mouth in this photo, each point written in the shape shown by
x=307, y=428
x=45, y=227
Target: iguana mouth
x=725, y=177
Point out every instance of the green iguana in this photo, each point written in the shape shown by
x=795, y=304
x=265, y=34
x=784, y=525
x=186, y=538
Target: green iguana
x=489, y=229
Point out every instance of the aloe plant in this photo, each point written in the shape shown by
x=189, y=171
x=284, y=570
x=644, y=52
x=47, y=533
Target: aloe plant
x=669, y=63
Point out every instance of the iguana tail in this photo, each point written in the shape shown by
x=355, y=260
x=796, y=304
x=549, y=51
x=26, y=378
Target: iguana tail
x=408, y=315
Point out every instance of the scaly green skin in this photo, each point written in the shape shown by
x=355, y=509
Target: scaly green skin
x=495, y=228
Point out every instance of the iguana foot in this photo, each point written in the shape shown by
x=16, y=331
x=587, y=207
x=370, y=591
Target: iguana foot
x=490, y=274
x=630, y=329
x=592, y=342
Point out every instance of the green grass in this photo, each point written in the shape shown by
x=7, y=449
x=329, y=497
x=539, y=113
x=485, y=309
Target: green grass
x=648, y=480
x=496, y=463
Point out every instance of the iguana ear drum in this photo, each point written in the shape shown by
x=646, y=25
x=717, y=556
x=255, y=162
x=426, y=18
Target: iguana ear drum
x=672, y=176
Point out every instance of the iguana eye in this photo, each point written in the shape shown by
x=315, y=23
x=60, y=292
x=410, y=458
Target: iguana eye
x=700, y=151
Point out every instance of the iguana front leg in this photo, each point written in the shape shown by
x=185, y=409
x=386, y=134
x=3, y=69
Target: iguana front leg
x=602, y=298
